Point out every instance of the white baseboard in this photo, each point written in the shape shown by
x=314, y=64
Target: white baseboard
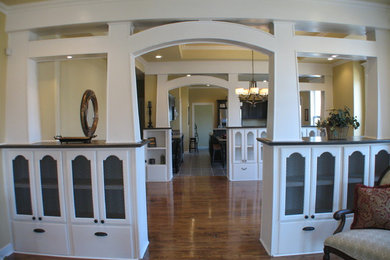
x=6, y=251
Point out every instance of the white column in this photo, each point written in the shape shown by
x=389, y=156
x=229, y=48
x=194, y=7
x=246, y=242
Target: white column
x=371, y=99
x=22, y=117
x=234, y=109
x=122, y=109
x=283, y=116
x=383, y=65
x=162, y=108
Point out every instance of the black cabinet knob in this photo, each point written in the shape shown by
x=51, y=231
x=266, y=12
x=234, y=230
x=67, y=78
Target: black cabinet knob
x=39, y=218
x=39, y=230
x=33, y=218
x=312, y=216
x=306, y=216
x=102, y=221
x=95, y=221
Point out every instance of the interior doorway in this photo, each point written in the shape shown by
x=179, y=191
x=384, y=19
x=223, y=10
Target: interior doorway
x=202, y=123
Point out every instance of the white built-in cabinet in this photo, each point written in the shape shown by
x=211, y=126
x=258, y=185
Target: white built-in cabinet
x=37, y=202
x=99, y=203
x=245, y=153
x=158, y=154
x=70, y=202
x=309, y=183
x=309, y=192
x=244, y=148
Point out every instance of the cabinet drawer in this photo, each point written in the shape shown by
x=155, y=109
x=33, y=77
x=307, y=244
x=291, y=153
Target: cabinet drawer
x=245, y=172
x=42, y=238
x=102, y=241
x=293, y=239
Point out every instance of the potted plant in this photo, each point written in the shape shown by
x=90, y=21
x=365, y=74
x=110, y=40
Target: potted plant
x=338, y=123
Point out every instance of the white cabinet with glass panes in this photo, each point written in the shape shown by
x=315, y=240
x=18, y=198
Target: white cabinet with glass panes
x=309, y=195
x=99, y=203
x=37, y=201
x=244, y=150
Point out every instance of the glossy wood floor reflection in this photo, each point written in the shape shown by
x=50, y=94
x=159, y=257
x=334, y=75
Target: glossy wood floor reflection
x=205, y=217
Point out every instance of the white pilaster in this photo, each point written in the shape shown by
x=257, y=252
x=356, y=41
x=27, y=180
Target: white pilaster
x=234, y=110
x=383, y=65
x=16, y=122
x=283, y=88
x=371, y=93
x=122, y=110
x=162, y=108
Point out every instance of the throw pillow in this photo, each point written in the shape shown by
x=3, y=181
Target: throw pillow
x=371, y=207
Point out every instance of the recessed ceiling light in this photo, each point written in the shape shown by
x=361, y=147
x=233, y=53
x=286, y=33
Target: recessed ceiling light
x=264, y=81
x=330, y=58
x=208, y=85
x=69, y=57
x=158, y=56
x=188, y=75
x=334, y=56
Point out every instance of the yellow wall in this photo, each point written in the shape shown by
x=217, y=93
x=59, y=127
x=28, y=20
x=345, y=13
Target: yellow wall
x=5, y=237
x=201, y=95
x=74, y=77
x=175, y=124
x=348, y=90
x=150, y=95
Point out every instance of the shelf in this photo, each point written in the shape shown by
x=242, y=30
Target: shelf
x=295, y=181
x=156, y=148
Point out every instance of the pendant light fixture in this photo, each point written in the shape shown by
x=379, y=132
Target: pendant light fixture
x=252, y=95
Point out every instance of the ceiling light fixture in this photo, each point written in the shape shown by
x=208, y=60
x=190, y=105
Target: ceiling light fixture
x=69, y=57
x=158, y=56
x=334, y=56
x=330, y=58
x=188, y=75
x=253, y=94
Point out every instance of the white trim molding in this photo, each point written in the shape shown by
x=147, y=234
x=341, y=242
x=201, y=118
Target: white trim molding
x=6, y=251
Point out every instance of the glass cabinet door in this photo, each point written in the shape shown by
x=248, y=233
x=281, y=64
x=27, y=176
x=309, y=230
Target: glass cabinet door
x=50, y=194
x=114, y=197
x=355, y=172
x=250, y=145
x=83, y=182
x=238, y=143
x=325, y=181
x=295, y=186
x=22, y=183
x=113, y=170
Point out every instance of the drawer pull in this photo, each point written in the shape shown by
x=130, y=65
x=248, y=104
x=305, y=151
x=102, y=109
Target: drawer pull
x=39, y=230
x=243, y=168
x=308, y=228
x=101, y=234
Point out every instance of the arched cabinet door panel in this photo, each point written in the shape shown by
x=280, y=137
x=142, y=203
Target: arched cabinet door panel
x=356, y=169
x=295, y=183
x=82, y=186
x=20, y=173
x=325, y=179
x=50, y=185
x=114, y=186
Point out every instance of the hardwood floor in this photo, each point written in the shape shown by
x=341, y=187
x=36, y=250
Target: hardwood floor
x=202, y=217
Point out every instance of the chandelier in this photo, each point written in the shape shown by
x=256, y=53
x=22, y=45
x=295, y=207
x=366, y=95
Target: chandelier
x=252, y=95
